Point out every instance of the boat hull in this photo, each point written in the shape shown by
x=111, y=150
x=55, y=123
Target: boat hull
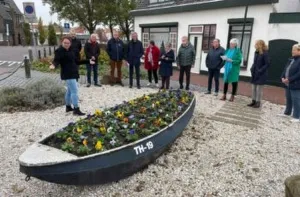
x=114, y=165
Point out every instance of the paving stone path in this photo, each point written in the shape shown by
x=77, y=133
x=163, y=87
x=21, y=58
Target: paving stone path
x=238, y=113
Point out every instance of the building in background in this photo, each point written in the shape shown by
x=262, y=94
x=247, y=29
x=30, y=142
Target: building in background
x=11, y=17
x=275, y=21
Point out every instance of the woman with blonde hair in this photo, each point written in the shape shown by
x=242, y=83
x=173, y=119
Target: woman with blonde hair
x=259, y=72
x=291, y=79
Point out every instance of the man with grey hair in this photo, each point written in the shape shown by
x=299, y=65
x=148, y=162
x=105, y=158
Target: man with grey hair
x=185, y=61
x=214, y=63
x=92, y=51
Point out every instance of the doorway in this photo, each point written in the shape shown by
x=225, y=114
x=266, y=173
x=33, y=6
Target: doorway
x=196, y=41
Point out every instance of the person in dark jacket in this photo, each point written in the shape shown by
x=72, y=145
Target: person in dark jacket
x=75, y=45
x=66, y=58
x=259, y=72
x=135, y=52
x=185, y=61
x=291, y=79
x=92, y=51
x=166, y=66
x=151, y=62
x=214, y=63
x=115, y=50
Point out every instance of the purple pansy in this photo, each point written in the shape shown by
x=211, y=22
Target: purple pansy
x=98, y=134
x=131, y=117
x=142, y=120
x=131, y=131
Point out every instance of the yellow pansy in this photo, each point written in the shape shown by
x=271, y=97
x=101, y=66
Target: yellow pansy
x=157, y=103
x=102, y=130
x=120, y=114
x=146, y=97
x=85, y=142
x=131, y=102
x=98, y=146
x=69, y=140
x=98, y=112
x=79, y=130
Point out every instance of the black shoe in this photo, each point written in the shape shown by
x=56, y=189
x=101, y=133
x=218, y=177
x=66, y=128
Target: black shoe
x=98, y=85
x=78, y=112
x=88, y=85
x=130, y=86
x=69, y=108
x=121, y=83
x=181, y=87
x=208, y=92
x=187, y=88
x=256, y=105
x=252, y=103
x=139, y=87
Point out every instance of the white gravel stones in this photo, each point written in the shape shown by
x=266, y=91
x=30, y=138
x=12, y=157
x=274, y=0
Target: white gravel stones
x=210, y=158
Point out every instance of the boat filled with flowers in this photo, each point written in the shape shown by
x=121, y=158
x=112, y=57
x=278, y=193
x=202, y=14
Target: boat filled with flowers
x=110, y=144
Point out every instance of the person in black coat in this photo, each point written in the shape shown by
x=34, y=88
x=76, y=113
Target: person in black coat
x=66, y=58
x=135, y=52
x=259, y=72
x=76, y=45
x=166, y=66
x=291, y=79
x=92, y=51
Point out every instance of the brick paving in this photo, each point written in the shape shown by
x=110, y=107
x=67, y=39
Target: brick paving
x=199, y=83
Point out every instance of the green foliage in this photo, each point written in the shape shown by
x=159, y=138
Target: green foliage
x=45, y=94
x=122, y=124
x=27, y=33
x=42, y=33
x=52, y=41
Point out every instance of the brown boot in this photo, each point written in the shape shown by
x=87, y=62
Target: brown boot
x=231, y=98
x=223, y=98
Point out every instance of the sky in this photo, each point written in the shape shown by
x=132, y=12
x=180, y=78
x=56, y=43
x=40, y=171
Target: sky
x=41, y=10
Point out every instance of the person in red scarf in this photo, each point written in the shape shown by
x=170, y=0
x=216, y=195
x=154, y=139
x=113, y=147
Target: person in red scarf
x=92, y=51
x=151, y=62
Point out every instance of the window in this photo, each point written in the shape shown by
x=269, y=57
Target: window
x=209, y=34
x=236, y=31
x=196, y=29
x=1, y=36
x=158, y=1
x=160, y=35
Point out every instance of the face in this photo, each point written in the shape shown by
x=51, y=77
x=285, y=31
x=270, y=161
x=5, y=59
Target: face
x=216, y=44
x=116, y=35
x=232, y=45
x=93, y=38
x=295, y=52
x=168, y=47
x=66, y=43
x=72, y=34
x=134, y=36
x=184, y=41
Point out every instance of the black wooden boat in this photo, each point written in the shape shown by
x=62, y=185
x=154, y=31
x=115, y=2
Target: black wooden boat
x=54, y=165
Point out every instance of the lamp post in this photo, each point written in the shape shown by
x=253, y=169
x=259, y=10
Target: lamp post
x=7, y=33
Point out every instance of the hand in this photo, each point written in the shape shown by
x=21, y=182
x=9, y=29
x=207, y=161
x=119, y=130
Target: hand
x=163, y=56
x=92, y=62
x=228, y=60
x=93, y=58
x=51, y=67
x=287, y=81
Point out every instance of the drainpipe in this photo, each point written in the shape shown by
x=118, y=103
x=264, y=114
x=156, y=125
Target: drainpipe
x=244, y=25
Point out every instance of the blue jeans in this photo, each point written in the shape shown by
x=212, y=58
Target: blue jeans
x=71, y=96
x=292, y=103
x=89, y=69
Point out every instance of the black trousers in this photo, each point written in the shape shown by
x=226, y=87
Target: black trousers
x=89, y=69
x=165, y=82
x=234, y=88
x=137, y=74
x=154, y=72
x=213, y=74
x=187, y=71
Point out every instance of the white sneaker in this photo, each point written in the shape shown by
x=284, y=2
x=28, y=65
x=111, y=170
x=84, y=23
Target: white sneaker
x=149, y=84
x=283, y=115
x=294, y=120
x=157, y=85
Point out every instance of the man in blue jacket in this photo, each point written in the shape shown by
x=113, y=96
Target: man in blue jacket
x=115, y=50
x=135, y=52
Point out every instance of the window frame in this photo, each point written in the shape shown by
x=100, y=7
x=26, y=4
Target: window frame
x=240, y=23
x=159, y=1
x=209, y=36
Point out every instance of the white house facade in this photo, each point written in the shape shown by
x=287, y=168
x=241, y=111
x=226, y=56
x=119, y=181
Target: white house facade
x=204, y=20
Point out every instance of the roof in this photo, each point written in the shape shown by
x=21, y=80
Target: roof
x=3, y=13
x=13, y=6
x=176, y=6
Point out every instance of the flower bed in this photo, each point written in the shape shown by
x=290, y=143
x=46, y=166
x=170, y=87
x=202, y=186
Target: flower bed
x=122, y=124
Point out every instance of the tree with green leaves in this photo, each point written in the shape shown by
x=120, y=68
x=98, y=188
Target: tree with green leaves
x=27, y=33
x=88, y=13
x=42, y=33
x=52, y=41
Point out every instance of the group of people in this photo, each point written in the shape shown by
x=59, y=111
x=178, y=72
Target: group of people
x=156, y=62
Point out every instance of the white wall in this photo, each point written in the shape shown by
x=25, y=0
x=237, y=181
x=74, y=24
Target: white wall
x=219, y=17
x=284, y=31
x=288, y=6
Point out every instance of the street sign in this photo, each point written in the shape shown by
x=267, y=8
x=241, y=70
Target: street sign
x=67, y=25
x=29, y=11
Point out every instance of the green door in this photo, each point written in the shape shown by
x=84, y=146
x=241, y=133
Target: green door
x=279, y=51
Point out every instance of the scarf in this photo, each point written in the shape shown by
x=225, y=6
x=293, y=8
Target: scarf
x=228, y=65
x=150, y=57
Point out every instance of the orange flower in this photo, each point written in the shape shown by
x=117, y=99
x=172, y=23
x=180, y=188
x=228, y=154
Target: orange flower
x=85, y=142
x=126, y=120
x=143, y=109
x=142, y=126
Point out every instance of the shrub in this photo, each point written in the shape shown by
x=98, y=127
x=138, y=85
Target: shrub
x=44, y=94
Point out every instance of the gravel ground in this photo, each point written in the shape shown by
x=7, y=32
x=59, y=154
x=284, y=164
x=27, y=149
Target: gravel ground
x=209, y=159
